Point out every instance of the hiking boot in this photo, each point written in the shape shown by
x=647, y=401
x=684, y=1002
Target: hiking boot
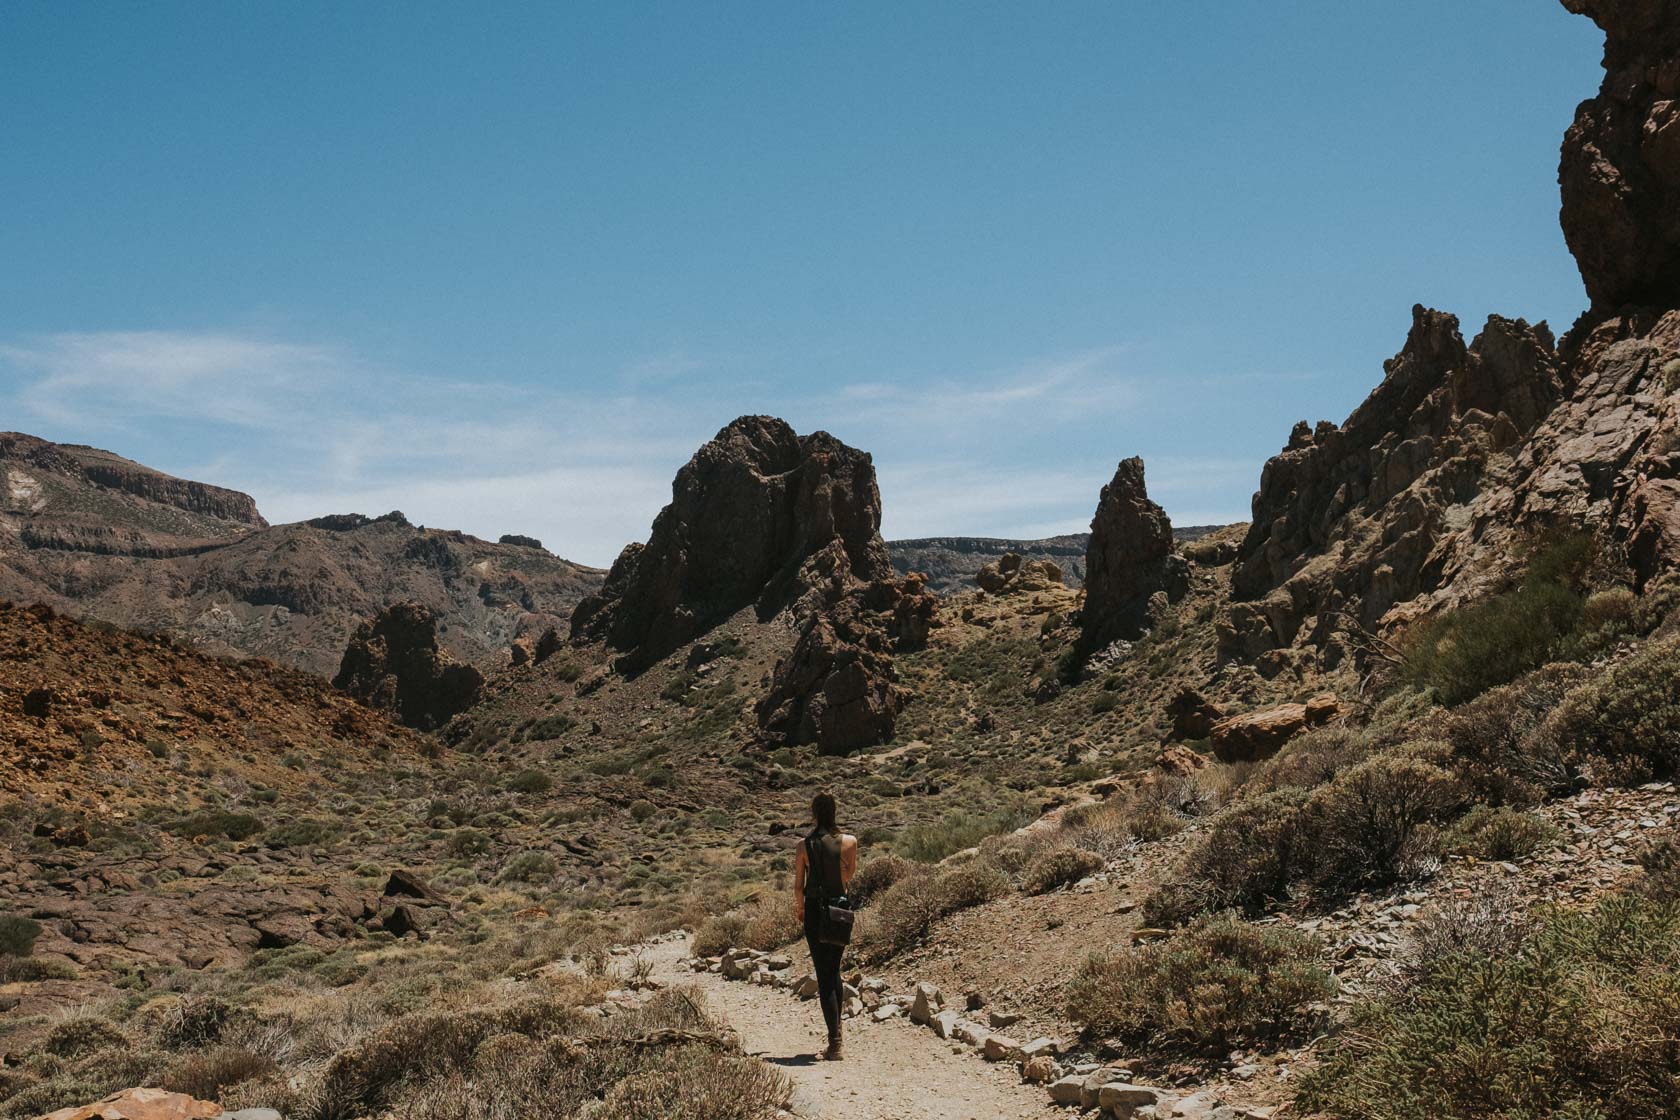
x=833, y=1054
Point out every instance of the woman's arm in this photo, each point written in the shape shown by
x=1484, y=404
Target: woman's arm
x=799, y=884
x=848, y=859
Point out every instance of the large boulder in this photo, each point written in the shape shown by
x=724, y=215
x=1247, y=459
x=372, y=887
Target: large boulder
x=1620, y=166
x=746, y=512
x=395, y=663
x=1130, y=558
x=837, y=688
x=140, y=1104
x=1253, y=736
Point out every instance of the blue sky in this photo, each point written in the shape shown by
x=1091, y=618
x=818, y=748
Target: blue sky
x=504, y=266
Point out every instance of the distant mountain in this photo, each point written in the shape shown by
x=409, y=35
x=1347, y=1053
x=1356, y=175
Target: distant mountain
x=98, y=536
x=950, y=562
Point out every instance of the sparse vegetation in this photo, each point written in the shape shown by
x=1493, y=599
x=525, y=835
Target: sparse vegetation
x=1213, y=985
x=17, y=935
x=1058, y=868
x=1576, y=1020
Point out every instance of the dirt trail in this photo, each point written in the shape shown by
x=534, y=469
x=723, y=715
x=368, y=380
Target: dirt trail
x=892, y=1071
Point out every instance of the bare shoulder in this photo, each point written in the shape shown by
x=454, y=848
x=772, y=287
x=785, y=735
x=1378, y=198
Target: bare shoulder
x=847, y=840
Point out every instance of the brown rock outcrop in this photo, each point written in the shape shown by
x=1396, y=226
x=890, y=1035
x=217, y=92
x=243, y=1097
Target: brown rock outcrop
x=140, y=1104
x=1009, y=574
x=1620, y=167
x=1130, y=558
x=394, y=663
x=1192, y=715
x=1256, y=735
x=746, y=512
x=1347, y=518
x=836, y=688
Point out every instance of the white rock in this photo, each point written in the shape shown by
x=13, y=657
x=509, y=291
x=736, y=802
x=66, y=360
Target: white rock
x=927, y=1003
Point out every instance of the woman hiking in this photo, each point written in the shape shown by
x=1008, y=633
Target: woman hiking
x=825, y=864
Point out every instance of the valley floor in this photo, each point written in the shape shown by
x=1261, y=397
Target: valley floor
x=892, y=1070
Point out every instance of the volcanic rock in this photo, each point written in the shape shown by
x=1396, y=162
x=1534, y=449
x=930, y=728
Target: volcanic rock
x=394, y=663
x=1010, y=574
x=836, y=688
x=1192, y=715
x=1257, y=735
x=1347, y=518
x=746, y=512
x=140, y=1104
x=1131, y=558
x=1620, y=167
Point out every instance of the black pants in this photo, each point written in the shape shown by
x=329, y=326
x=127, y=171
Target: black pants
x=825, y=962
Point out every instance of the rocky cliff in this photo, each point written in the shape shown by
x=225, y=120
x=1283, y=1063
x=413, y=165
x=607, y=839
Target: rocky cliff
x=746, y=512
x=1620, y=171
x=1424, y=496
x=95, y=535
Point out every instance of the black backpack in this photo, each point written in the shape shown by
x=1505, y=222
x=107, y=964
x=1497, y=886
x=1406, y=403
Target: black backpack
x=834, y=910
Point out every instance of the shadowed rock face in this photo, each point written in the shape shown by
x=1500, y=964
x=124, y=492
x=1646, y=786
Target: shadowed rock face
x=745, y=513
x=394, y=663
x=1347, y=518
x=1620, y=168
x=1130, y=558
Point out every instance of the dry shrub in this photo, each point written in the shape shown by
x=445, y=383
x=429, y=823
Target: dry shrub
x=1368, y=825
x=768, y=922
x=1311, y=759
x=875, y=876
x=205, y=1073
x=1626, y=718
x=1058, y=868
x=1577, y=1019
x=1212, y=985
x=1501, y=833
x=1661, y=861
x=1495, y=740
x=907, y=911
x=1249, y=859
x=82, y=1035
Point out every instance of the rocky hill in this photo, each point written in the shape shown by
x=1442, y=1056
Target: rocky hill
x=93, y=534
x=951, y=563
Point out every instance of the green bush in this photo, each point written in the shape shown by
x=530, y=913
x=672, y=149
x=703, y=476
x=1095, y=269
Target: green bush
x=1578, y=1021
x=641, y=809
x=956, y=832
x=1626, y=718
x=17, y=935
x=26, y=970
x=1501, y=833
x=530, y=781
x=1058, y=868
x=1215, y=984
x=1463, y=653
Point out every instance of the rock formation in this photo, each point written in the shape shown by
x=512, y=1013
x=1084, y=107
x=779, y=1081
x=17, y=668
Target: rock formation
x=1009, y=574
x=1424, y=498
x=837, y=688
x=746, y=512
x=1253, y=736
x=1620, y=171
x=393, y=663
x=1130, y=559
x=1347, y=517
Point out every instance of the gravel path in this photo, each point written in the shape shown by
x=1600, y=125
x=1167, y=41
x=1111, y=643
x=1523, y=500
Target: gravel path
x=892, y=1070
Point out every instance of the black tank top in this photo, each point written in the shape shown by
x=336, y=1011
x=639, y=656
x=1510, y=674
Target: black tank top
x=822, y=875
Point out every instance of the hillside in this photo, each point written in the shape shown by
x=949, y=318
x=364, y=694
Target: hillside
x=92, y=534
x=950, y=563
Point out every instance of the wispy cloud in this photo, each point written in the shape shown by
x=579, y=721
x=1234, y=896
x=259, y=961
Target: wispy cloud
x=312, y=427
x=101, y=378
